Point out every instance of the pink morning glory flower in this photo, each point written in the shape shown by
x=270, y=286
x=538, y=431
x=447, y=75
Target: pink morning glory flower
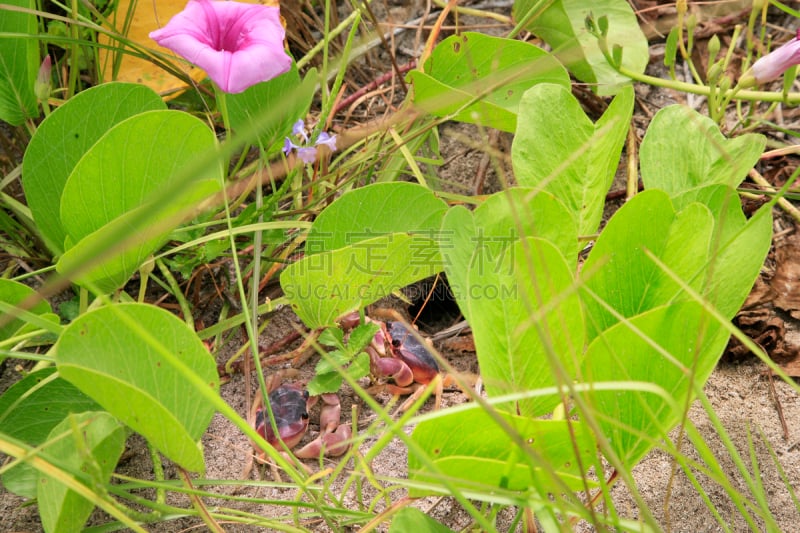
x=772, y=65
x=237, y=44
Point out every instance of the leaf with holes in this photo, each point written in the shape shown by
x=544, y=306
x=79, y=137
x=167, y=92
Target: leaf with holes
x=480, y=79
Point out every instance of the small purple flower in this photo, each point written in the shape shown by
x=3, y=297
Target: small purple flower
x=307, y=154
x=772, y=65
x=237, y=44
x=299, y=130
x=327, y=140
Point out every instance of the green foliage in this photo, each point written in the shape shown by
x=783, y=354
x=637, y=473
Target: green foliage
x=483, y=236
x=480, y=79
x=671, y=347
x=19, y=63
x=368, y=212
x=557, y=148
x=676, y=162
x=621, y=281
x=631, y=315
x=577, y=354
x=64, y=137
x=145, y=367
x=411, y=519
x=364, y=246
x=92, y=446
x=561, y=23
x=528, y=328
x=29, y=410
x=245, y=108
x=14, y=294
x=349, y=358
x=114, y=193
x=511, y=452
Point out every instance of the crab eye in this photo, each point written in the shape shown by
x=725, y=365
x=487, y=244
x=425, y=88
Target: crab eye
x=304, y=416
x=396, y=343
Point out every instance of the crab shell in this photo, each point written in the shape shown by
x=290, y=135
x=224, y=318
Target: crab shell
x=290, y=408
x=416, y=355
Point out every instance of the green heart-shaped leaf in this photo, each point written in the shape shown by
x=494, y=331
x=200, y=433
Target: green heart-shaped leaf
x=374, y=210
x=323, y=287
x=559, y=150
x=142, y=364
x=683, y=149
x=132, y=186
x=527, y=320
x=485, y=76
x=64, y=137
x=102, y=441
x=367, y=244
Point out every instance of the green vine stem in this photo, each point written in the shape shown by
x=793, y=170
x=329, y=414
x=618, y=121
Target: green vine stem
x=703, y=90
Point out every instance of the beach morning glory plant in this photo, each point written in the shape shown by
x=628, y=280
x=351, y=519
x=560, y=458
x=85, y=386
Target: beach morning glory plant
x=306, y=153
x=237, y=44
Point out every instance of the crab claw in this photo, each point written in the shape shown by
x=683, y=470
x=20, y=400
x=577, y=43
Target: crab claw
x=332, y=444
x=330, y=413
x=336, y=443
x=350, y=320
x=395, y=369
x=380, y=339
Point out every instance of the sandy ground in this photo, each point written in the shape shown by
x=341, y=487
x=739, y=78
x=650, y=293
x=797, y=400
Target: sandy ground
x=740, y=394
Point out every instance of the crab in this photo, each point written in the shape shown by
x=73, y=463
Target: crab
x=397, y=355
x=290, y=404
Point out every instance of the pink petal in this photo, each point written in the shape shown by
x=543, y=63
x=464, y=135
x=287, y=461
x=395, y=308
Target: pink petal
x=238, y=45
x=772, y=65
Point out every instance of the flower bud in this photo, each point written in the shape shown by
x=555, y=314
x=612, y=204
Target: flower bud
x=41, y=87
